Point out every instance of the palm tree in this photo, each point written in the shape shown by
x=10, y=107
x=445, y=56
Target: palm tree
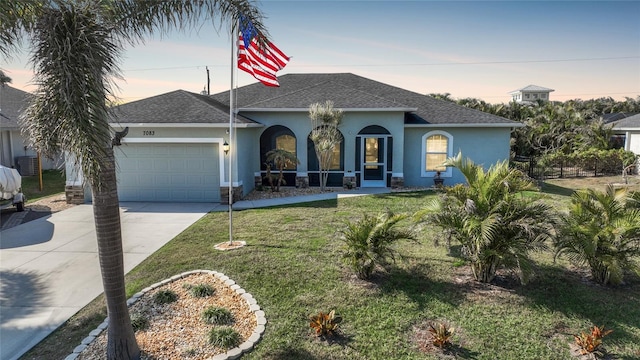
x=368, y=241
x=75, y=47
x=281, y=158
x=494, y=221
x=602, y=230
x=325, y=136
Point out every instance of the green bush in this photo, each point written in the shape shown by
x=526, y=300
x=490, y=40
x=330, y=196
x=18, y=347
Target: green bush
x=217, y=316
x=368, y=241
x=224, y=337
x=202, y=290
x=139, y=322
x=165, y=297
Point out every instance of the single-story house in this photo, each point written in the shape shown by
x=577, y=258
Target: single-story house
x=174, y=148
x=14, y=151
x=628, y=129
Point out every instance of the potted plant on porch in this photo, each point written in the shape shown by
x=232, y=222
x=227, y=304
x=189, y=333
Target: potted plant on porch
x=437, y=180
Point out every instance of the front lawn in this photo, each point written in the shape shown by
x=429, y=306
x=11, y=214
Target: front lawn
x=53, y=182
x=292, y=266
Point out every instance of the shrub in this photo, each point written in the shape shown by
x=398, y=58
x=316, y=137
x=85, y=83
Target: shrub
x=202, y=290
x=589, y=343
x=602, y=231
x=493, y=220
x=217, y=316
x=165, y=297
x=325, y=324
x=441, y=334
x=224, y=337
x=368, y=242
x=139, y=322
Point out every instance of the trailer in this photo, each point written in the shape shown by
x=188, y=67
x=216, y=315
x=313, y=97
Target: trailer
x=11, y=189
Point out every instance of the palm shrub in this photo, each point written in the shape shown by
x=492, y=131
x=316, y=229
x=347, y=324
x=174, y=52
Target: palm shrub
x=281, y=158
x=603, y=232
x=368, y=241
x=492, y=217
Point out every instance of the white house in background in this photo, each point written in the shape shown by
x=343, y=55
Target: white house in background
x=14, y=152
x=629, y=130
x=530, y=94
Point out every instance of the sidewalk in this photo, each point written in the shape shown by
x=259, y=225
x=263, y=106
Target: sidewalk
x=49, y=267
x=254, y=204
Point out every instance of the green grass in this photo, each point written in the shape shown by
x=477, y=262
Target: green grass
x=53, y=182
x=293, y=269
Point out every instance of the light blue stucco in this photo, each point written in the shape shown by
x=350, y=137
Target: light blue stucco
x=483, y=145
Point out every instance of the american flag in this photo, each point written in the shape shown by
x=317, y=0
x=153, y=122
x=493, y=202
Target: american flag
x=261, y=61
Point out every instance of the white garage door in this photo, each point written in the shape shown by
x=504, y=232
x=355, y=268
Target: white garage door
x=168, y=172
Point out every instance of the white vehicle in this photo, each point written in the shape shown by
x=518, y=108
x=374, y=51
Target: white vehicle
x=11, y=189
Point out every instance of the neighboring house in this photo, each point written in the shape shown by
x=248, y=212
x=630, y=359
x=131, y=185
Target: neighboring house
x=530, y=94
x=628, y=130
x=392, y=137
x=14, y=151
x=611, y=117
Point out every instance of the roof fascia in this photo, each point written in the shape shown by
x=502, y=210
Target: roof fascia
x=186, y=125
x=342, y=109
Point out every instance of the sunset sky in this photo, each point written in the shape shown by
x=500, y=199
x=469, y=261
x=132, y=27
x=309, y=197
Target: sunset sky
x=480, y=49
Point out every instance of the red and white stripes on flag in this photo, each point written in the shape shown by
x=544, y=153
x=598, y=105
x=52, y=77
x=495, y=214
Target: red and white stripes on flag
x=261, y=61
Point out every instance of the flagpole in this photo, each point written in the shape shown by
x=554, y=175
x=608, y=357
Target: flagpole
x=232, y=146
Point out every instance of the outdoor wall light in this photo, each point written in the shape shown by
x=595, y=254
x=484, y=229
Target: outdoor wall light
x=225, y=147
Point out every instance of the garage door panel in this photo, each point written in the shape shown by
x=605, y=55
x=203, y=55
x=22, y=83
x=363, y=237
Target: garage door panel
x=169, y=172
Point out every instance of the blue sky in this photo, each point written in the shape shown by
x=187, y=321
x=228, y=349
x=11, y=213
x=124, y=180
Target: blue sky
x=481, y=49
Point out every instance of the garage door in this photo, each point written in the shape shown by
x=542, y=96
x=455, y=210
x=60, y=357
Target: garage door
x=168, y=172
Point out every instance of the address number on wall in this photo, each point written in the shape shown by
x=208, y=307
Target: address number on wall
x=148, y=133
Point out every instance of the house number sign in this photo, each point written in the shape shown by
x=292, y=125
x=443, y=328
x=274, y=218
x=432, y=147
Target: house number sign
x=148, y=133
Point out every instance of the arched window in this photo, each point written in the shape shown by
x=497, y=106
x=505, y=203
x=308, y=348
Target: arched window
x=277, y=137
x=437, y=146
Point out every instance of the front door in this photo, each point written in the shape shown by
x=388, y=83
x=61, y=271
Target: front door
x=373, y=159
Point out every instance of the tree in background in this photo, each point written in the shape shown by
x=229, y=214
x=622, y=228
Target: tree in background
x=325, y=136
x=75, y=47
x=552, y=127
x=4, y=79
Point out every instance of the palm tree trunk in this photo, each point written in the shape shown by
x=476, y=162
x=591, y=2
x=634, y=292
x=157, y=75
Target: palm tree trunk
x=280, y=177
x=483, y=272
x=121, y=343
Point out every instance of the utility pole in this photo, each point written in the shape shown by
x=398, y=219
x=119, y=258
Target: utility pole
x=208, y=82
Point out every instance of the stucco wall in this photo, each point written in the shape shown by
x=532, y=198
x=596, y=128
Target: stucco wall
x=482, y=145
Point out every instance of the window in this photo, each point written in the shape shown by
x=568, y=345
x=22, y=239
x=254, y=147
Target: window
x=288, y=143
x=436, y=148
x=277, y=137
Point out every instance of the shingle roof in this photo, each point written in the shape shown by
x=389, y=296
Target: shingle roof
x=531, y=88
x=175, y=107
x=343, y=97
x=349, y=91
x=631, y=122
x=12, y=102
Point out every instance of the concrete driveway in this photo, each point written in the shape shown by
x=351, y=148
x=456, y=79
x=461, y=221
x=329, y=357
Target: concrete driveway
x=49, y=267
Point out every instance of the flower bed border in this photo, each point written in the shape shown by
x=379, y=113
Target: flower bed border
x=231, y=354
